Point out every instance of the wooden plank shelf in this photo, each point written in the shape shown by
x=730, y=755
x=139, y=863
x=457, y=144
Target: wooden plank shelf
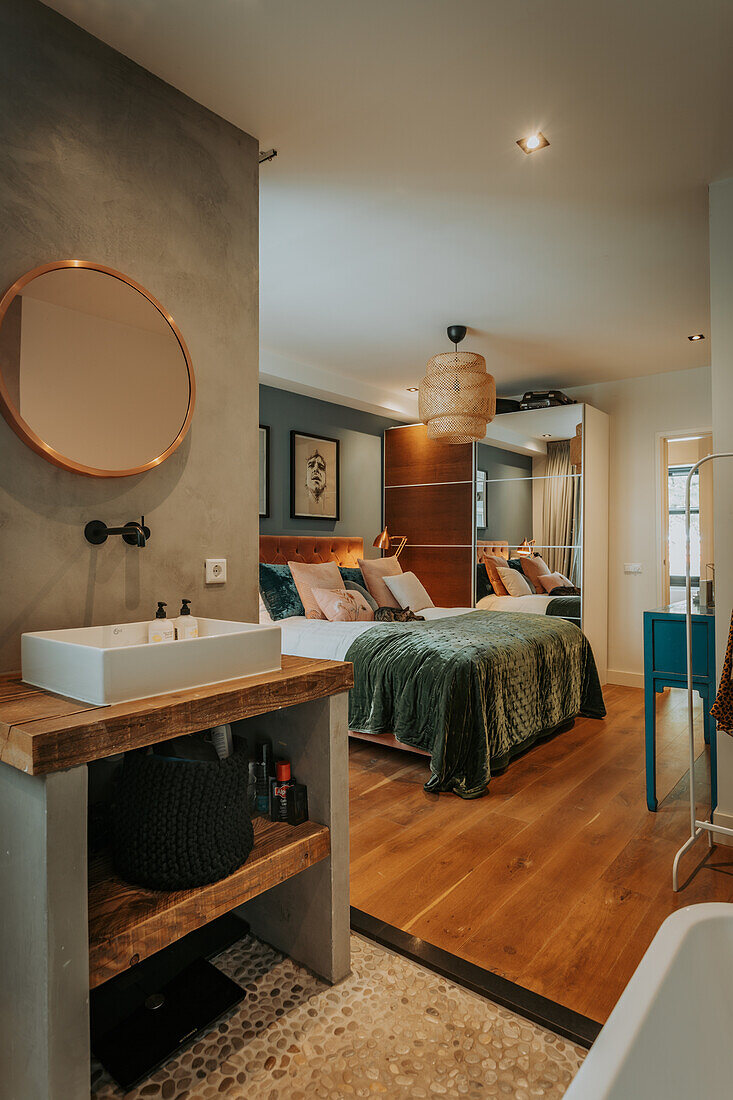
x=128, y=923
x=41, y=732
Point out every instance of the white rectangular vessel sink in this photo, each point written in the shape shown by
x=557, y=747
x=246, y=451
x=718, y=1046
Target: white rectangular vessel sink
x=113, y=664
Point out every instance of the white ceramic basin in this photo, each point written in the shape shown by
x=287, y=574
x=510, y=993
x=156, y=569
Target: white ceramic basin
x=112, y=664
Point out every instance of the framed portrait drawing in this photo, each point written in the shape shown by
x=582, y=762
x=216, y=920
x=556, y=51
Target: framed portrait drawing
x=314, y=476
x=264, y=471
x=480, y=498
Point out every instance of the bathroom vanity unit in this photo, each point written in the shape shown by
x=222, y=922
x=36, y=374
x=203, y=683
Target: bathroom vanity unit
x=69, y=924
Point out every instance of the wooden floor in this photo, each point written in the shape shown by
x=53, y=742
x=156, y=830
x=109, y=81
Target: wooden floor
x=560, y=877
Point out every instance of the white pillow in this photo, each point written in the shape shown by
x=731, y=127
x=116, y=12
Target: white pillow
x=265, y=617
x=408, y=591
x=514, y=581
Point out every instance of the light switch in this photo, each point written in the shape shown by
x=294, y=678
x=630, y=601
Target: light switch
x=633, y=567
x=216, y=571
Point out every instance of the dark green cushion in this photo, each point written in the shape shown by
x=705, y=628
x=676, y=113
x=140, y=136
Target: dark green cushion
x=279, y=594
x=351, y=573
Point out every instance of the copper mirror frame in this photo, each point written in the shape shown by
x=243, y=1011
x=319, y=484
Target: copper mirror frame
x=24, y=430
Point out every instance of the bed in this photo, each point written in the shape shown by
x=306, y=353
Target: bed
x=564, y=607
x=470, y=688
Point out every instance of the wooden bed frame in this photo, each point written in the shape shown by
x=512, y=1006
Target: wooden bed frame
x=280, y=549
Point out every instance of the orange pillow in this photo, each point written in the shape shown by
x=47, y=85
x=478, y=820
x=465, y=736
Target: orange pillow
x=493, y=563
x=308, y=576
x=533, y=568
x=374, y=570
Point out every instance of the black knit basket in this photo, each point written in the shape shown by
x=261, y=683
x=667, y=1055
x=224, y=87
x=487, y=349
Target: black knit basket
x=180, y=823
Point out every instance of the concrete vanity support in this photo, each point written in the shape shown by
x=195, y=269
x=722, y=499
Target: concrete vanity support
x=44, y=952
x=307, y=917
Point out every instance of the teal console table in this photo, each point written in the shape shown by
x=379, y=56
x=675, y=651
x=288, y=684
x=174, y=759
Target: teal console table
x=665, y=665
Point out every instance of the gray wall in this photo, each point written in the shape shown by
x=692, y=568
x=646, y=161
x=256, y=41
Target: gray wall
x=100, y=160
x=508, y=503
x=361, y=436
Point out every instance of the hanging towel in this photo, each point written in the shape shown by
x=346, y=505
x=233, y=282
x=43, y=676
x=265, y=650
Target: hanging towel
x=722, y=708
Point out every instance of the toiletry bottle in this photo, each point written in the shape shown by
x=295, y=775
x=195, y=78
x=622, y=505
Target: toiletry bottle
x=161, y=629
x=279, y=787
x=186, y=625
x=262, y=800
x=221, y=739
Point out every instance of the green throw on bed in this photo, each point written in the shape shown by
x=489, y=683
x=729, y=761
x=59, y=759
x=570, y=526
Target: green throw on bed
x=472, y=690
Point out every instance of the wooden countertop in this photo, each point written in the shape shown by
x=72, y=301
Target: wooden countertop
x=41, y=732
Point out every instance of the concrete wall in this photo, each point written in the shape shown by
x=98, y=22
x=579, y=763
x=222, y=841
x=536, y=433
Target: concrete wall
x=361, y=436
x=100, y=160
x=721, y=332
x=641, y=409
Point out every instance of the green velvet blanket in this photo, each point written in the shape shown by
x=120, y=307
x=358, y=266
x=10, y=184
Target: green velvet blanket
x=472, y=690
x=566, y=607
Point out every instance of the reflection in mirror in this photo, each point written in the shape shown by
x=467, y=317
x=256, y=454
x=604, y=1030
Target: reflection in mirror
x=529, y=471
x=94, y=374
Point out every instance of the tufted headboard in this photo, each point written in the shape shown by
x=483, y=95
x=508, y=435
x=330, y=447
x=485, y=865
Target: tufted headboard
x=279, y=549
x=498, y=547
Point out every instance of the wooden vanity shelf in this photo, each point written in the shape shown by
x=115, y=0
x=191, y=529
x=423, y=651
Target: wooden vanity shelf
x=128, y=923
x=69, y=923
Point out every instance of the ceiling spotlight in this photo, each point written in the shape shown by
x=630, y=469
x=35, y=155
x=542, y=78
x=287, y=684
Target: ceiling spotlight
x=267, y=154
x=697, y=336
x=412, y=389
x=533, y=142
x=546, y=435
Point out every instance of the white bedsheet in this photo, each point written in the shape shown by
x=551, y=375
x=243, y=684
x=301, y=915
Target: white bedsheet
x=303, y=637
x=528, y=605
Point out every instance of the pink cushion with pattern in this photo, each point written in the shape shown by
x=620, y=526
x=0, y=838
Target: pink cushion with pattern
x=340, y=606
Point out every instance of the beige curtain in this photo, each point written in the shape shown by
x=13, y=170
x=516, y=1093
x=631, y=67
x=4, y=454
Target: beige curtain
x=558, y=508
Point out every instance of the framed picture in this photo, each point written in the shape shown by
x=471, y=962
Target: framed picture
x=264, y=471
x=314, y=476
x=480, y=498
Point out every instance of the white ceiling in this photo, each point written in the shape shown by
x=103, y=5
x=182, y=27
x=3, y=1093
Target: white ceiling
x=399, y=201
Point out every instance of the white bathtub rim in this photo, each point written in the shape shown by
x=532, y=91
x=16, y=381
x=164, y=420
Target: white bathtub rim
x=606, y=1058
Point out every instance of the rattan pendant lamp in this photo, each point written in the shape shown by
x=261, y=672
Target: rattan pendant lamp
x=457, y=396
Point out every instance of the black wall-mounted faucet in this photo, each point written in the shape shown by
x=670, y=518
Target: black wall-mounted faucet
x=133, y=533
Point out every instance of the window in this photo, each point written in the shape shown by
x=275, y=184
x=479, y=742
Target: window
x=676, y=479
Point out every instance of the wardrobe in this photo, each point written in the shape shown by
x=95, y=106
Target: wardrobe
x=540, y=475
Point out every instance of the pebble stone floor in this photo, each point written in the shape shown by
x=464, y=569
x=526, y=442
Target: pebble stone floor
x=390, y=1029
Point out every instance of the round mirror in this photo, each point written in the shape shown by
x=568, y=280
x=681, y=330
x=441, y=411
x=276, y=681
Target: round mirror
x=94, y=374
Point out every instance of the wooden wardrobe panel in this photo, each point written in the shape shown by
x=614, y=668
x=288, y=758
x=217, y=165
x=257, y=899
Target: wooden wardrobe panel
x=445, y=571
x=430, y=515
x=410, y=458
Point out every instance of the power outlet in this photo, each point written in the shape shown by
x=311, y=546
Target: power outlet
x=216, y=571
x=632, y=567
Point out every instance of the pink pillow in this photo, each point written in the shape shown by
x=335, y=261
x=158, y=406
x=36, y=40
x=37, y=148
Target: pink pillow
x=341, y=606
x=554, y=580
x=374, y=570
x=310, y=575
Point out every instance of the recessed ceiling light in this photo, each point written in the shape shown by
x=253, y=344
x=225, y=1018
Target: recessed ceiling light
x=697, y=336
x=532, y=143
x=546, y=435
x=412, y=389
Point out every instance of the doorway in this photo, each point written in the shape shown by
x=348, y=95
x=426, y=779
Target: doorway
x=678, y=454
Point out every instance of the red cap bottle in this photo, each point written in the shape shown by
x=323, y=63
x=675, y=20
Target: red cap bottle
x=282, y=770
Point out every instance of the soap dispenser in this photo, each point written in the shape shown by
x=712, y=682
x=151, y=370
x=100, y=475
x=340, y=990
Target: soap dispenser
x=161, y=629
x=186, y=625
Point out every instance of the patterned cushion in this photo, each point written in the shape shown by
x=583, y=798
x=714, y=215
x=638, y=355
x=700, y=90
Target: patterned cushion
x=278, y=591
x=340, y=606
x=352, y=586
